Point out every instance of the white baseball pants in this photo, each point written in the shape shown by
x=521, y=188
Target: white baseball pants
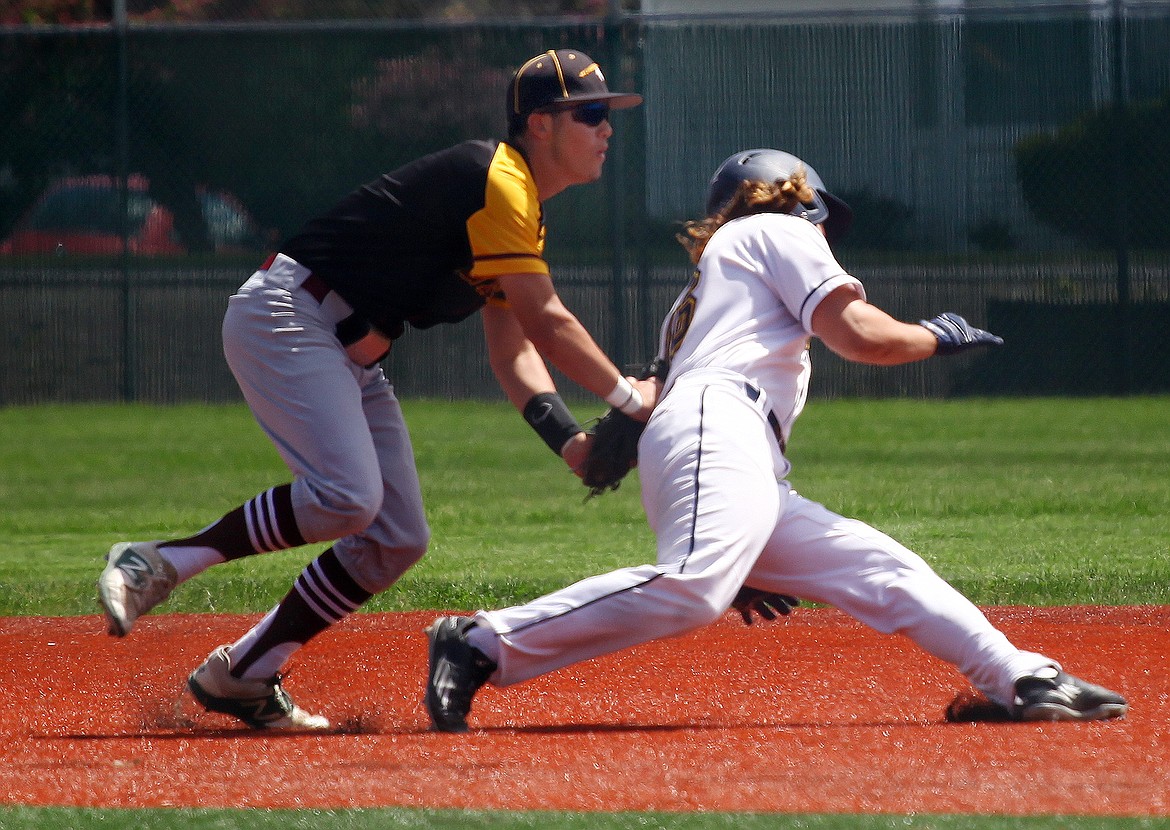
x=715, y=496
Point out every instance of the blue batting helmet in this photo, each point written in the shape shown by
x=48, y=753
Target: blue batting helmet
x=765, y=165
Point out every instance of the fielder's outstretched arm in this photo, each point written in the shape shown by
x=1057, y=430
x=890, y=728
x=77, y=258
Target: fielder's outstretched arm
x=561, y=339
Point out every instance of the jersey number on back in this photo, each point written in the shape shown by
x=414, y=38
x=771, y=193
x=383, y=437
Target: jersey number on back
x=681, y=318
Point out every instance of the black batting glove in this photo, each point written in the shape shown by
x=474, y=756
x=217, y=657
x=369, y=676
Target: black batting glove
x=955, y=334
x=765, y=603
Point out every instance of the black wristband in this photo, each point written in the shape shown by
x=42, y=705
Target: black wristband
x=547, y=414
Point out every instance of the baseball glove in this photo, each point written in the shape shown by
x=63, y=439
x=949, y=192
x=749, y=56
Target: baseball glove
x=765, y=603
x=613, y=448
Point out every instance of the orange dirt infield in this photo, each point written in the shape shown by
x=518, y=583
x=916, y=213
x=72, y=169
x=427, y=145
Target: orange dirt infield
x=812, y=714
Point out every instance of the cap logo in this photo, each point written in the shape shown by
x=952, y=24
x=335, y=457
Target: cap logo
x=589, y=70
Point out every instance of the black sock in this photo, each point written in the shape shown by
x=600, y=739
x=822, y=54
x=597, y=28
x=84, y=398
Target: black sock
x=323, y=594
x=262, y=524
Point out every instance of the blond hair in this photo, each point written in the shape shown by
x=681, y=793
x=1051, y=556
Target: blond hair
x=751, y=197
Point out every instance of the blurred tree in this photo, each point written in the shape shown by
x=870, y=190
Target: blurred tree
x=287, y=121
x=1105, y=178
x=90, y=11
x=56, y=105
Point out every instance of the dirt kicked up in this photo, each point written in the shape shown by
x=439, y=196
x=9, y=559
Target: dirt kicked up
x=814, y=713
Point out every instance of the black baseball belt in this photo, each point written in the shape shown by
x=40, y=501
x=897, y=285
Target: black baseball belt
x=754, y=393
x=364, y=344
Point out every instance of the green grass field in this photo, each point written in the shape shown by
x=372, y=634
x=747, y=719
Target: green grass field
x=1038, y=501
x=1042, y=502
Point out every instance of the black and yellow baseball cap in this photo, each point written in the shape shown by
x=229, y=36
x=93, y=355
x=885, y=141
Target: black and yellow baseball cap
x=561, y=76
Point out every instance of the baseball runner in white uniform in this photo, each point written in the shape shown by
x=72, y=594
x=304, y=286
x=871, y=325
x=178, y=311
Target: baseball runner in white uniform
x=714, y=474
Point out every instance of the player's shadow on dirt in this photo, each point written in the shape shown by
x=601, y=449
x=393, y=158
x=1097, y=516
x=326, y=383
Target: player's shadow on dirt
x=967, y=707
x=196, y=734
x=584, y=728
x=174, y=722
x=168, y=720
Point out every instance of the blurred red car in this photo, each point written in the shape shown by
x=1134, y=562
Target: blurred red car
x=79, y=215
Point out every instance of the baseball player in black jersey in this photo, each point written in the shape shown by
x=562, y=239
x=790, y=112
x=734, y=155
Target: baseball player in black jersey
x=453, y=233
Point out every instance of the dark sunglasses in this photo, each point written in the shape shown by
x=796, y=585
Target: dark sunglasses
x=590, y=114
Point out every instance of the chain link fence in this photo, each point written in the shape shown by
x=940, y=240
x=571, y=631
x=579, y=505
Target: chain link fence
x=1011, y=165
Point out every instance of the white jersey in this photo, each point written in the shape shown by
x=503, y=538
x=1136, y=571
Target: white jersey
x=749, y=307
x=715, y=493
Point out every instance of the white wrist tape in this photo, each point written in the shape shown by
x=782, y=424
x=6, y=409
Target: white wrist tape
x=625, y=397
